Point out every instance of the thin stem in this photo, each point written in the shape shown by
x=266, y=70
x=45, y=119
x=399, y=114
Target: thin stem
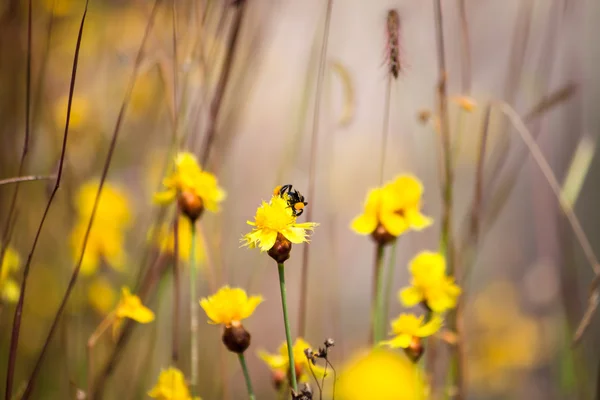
x=100, y=329
x=389, y=282
x=286, y=322
x=314, y=140
x=29, y=178
x=386, y=125
x=193, y=313
x=246, y=376
x=378, y=296
x=176, y=291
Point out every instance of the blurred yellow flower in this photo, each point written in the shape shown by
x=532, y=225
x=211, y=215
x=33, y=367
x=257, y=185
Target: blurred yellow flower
x=430, y=284
x=272, y=219
x=101, y=295
x=9, y=288
x=188, y=177
x=79, y=112
x=395, y=207
x=171, y=386
x=130, y=306
x=380, y=374
x=166, y=241
x=280, y=363
x=408, y=326
x=229, y=306
x=106, y=238
x=504, y=342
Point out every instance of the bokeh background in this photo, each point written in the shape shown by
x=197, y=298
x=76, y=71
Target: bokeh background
x=529, y=281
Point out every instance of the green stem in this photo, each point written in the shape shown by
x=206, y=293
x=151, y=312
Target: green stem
x=389, y=280
x=286, y=321
x=193, y=314
x=246, y=376
x=378, y=319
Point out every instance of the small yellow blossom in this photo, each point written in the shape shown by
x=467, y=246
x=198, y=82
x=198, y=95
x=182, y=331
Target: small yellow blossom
x=280, y=363
x=79, y=112
x=468, y=104
x=101, y=295
x=229, y=305
x=166, y=241
x=107, y=236
x=430, y=284
x=189, y=177
x=408, y=326
x=9, y=288
x=130, y=306
x=274, y=218
x=380, y=374
x=171, y=386
x=395, y=207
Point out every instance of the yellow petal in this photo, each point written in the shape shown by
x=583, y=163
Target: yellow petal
x=400, y=341
x=10, y=291
x=411, y=296
x=364, y=224
x=250, y=306
x=394, y=224
x=165, y=197
x=274, y=361
x=267, y=240
x=416, y=220
x=431, y=327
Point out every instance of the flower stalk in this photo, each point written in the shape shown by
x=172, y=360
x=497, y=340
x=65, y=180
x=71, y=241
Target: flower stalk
x=246, y=376
x=193, y=314
x=378, y=295
x=286, y=321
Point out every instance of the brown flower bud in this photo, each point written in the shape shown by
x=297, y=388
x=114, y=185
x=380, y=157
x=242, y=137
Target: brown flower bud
x=299, y=371
x=191, y=205
x=278, y=378
x=280, y=251
x=381, y=236
x=236, y=338
x=415, y=349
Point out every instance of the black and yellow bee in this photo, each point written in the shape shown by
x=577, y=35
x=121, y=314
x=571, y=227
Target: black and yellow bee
x=295, y=199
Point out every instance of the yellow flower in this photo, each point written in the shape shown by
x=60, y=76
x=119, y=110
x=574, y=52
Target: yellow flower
x=408, y=326
x=229, y=306
x=275, y=218
x=9, y=288
x=101, y=295
x=106, y=238
x=188, y=177
x=166, y=241
x=395, y=207
x=79, y=112
x=430, y=284
x=380, y=374
x=171, y=386
x=130, y=306
x=280, y=363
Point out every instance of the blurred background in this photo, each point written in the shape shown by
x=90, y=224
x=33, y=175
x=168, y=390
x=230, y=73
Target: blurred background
x=529, y=281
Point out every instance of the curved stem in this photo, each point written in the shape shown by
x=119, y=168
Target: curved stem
x=286, y=321
x=389, y=282
x=378, y=306
x=193, y=314
x=246, y=376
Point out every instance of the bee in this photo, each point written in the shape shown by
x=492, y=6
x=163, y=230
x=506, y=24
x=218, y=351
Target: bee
x=295, y=199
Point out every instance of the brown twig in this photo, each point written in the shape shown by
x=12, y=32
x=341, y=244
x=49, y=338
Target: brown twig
x=105, y=169
x=217, y=100
x=465, y=48
x=16, y=326
x=314, y=146
x=28, y=178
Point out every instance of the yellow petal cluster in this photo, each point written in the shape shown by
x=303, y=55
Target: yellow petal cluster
x=166, y=240
x=280, y=362
x=101, y=295
x=171, y=386
x=408, y=326
x=130, y=306
x=189, y=177
x=9, y=288
x=430, y=284
x=395, y=206
x=107, y=236
x=274, y=218
x=380, y=374
x=229, y=305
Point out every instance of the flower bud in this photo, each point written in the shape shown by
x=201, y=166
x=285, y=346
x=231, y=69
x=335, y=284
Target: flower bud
x=381, y=236
x=278, y=378
x=280, y=251
x=191, y=205
x=415, y=349
x=236, y=338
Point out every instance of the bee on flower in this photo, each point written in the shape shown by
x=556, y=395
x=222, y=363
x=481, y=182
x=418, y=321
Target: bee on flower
x=392, y=210
x=194, y=189
x=430, y=285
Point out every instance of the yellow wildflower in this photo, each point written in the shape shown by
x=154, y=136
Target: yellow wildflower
x=188, y=177
x=273, y=219
x=79, y=112
x=380, y=374
x=280, y=363
x=106, y=238
x=171, y=386
x=166, y=241
x=430, y=284
x=9, y=288
x=101, y=295
x=130, y=306
x=408, y=326
x=395, y=207
x=229, y=306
